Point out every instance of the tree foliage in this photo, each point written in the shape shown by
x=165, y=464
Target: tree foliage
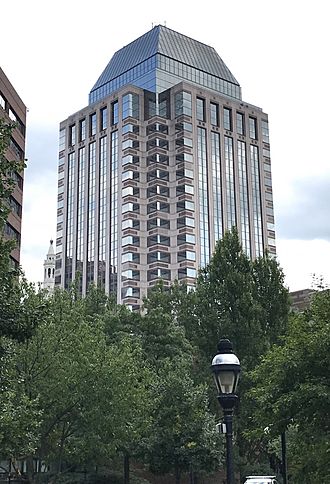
x=291, y=390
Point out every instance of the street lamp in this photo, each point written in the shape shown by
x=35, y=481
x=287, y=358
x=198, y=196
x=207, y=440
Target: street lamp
x=226, y=369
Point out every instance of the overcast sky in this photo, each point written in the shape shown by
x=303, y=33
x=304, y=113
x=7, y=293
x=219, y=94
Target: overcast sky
x=53, y=52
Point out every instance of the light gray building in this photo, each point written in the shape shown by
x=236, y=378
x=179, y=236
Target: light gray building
x=164, y=159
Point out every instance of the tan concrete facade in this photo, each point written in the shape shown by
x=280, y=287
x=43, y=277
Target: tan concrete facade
x=133, y=277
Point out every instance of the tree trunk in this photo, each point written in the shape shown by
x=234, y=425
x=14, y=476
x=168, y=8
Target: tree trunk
x=177, y=474
x=29, y=468
x=126, y=468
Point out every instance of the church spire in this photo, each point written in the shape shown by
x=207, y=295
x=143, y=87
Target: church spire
x=49, y=269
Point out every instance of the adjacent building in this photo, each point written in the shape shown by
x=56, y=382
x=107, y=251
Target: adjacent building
x=12, y=109
x=164, y=159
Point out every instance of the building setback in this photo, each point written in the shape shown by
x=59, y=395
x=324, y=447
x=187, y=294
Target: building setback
x=162, y=161
x=12, y=109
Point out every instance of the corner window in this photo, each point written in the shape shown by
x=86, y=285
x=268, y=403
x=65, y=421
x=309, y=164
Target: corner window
x=183, y=103
x=131, y=106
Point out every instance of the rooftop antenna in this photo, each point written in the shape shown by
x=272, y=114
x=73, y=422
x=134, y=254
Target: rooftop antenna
x=164, y=23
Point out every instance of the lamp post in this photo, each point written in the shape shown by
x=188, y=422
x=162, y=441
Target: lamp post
x=226, y=369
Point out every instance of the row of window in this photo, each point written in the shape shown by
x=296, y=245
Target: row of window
x=78, y=132
x=158, y=239
x=157, y=273
x=183, y=105
x=159, y=256
x=4, y=104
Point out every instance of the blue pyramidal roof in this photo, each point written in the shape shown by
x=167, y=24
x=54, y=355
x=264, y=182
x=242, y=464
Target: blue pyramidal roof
x=168, y=43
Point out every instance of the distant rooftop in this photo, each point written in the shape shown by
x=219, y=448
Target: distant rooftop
x=165, y=50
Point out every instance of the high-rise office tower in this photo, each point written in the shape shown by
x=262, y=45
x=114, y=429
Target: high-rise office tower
x=162, y=161
x=12, y=109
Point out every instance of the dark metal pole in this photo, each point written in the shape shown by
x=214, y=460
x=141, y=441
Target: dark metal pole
x=284, y=461
x=228, y=420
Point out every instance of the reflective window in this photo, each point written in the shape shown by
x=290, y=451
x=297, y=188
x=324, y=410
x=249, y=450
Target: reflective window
x=186, y=239
x=158, y=222
x=180, y=189
x=133, y=191
x=183, y=127
x=240, y=128
x=130, y=292
x=129, y=143
x=130, y=223
x=185, y=222
x=114, y=113
x=62, y=139
x=72, y=135
x=130, y=128
x=91, y=212
x=157, y=190
x=2, y=102
x=158, y=239
x=200, y=109
x=185, y=205
x=158, y=273
x=157, y=174
x=103, y=118
x=81, y=206
x=131, y=240
x=216, y=185
x=230, y=183
x=253, y=128
x=203, y=197
x=131, y=106
x=184, y=142
x=158, y=256
x=184, y=173
x=130, y=207
x=130, y=175
x=227, y=122
x=157, y=142
x=256, y=200
x=130, y=159
x=183, y=103
x=161, y=128
x=186, y=272
x=130, y=274
x=186, y=255
x=102, y=205
x=265, y=131
x=92, y=124
x=244, y=197
x=184, y=157
x=82, y=129
x=113, y=236
x=214, y=114
x=130, y=257
x=158, y=207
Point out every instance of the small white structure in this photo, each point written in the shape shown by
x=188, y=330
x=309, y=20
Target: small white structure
x=49, y=269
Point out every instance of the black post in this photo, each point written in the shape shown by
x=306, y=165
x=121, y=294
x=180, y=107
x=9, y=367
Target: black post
x=228, y=421
x=126, y=468
x=284, y=461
